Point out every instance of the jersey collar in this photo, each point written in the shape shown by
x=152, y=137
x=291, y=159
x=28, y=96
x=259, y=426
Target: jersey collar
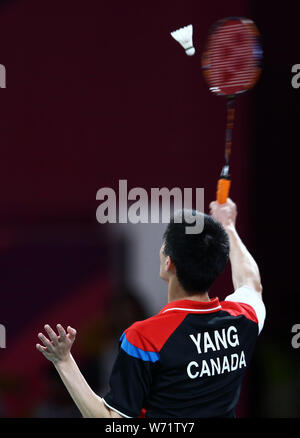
x=191, y=306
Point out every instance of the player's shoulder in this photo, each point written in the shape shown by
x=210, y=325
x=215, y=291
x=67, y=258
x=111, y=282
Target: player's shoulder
x=143, y=324
x=153, y=332
x=143, y=327
x=247, y=302
x=237, y=309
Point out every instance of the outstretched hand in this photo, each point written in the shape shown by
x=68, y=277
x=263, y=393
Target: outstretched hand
x=224, y=213
x=57, y=348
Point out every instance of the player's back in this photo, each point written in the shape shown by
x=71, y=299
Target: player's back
x=191, y=357
x=201, y=366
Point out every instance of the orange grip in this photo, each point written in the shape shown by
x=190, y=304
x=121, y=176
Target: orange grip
x=223, y=190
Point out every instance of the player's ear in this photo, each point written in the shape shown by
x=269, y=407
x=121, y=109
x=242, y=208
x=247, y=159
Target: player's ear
x=169, y=265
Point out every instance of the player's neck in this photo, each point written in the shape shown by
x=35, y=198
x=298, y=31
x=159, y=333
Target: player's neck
x=176, y=292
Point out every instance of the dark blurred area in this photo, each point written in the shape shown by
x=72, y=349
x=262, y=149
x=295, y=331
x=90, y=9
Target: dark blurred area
x=98, y=92
x=273, y=196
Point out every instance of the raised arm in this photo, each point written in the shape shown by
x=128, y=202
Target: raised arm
x=57, y=349
x=244, y=269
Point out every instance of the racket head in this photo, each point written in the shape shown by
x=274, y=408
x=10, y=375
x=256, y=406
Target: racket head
x=232, y=58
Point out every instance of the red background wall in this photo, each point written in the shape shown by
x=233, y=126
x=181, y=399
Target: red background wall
x=96, y=92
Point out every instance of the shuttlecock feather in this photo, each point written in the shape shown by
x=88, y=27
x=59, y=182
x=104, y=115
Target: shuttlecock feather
x=184, y=36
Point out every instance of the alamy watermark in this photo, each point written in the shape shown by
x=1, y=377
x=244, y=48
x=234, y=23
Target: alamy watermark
x=2, y=76
x=2, y=336
x=137, y=206
x=296, y=78
x=296, y=338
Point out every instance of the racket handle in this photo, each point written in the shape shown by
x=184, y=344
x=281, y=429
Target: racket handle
x=223, y=190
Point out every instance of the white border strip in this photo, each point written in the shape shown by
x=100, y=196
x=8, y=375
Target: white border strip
x=193, y=310
x=114, y=409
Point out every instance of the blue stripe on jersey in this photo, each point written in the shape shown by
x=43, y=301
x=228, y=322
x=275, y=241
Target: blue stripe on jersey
x=147, y=356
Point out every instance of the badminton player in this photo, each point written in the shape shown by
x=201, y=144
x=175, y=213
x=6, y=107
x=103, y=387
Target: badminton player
x=188, y=361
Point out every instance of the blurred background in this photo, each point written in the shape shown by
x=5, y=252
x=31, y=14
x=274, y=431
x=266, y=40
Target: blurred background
x=98, y=92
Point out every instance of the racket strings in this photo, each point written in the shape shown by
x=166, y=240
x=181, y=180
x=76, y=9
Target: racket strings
x=230, y=58
x=231, y=64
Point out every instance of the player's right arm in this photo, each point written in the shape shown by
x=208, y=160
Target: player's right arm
x=244, y=268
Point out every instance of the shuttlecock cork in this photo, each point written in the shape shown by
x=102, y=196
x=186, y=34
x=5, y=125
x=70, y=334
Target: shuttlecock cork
x=184, y=36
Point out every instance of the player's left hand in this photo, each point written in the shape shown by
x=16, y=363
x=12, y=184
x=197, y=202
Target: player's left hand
x=58, y=347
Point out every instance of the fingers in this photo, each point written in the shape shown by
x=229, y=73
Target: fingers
x=72, y=333
x=54, y=340
x=232, y=204
x=57, y=347
x=41, y=348
x=44, y=351
x=212, y=205
x=46, y=342
x=51, y=333
x=62, y=332
x=214, y=208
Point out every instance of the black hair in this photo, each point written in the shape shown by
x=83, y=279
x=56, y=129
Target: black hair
x=198, y=258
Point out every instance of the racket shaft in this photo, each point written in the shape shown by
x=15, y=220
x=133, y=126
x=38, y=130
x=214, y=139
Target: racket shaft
x=229, y=126
x=224, y=181
x=223, y=190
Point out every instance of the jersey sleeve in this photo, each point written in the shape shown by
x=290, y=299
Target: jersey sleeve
x=247, y=295
x=132, y=374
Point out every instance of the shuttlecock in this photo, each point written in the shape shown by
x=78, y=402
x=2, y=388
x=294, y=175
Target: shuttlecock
x=184, y=36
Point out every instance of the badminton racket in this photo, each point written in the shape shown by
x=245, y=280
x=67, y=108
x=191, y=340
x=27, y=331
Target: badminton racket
x=231, y=64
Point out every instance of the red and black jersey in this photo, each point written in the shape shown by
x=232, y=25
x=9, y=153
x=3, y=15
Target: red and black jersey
x=187, y=361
